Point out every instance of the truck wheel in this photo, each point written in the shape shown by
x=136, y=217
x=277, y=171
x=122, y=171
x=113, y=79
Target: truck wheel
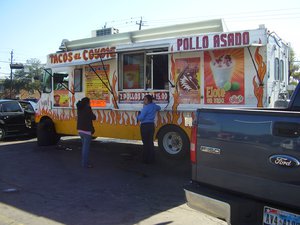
x=46, y=134
x=173, y=142
x=2, y=134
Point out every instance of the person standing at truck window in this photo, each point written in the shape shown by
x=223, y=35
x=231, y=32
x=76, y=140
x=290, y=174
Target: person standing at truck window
x=147, y=128
x=85, y=117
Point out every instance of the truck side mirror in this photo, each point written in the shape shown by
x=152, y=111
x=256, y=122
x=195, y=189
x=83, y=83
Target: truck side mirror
x=281, y=103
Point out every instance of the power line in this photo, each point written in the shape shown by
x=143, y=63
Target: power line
x=241, y=14
x=125, y=22
x=289, y=13
x=278, y=14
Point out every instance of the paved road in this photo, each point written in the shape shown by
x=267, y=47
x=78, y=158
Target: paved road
x=46, y=185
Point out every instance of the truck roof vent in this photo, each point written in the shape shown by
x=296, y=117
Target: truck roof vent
x=104, y=31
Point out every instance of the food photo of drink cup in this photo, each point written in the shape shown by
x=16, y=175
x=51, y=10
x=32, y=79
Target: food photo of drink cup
x=130, y=82
x=222, y=69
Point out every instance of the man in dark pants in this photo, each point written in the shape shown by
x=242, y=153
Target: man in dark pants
x=147, y=117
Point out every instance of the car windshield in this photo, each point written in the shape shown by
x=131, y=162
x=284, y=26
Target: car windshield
x=28, y=106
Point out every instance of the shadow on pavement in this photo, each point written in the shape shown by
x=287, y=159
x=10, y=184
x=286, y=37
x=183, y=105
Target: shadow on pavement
x=49, y=182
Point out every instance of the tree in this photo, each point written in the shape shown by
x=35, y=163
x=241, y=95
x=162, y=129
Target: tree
x=294, y=67
x=16, y=86
x=28, y=79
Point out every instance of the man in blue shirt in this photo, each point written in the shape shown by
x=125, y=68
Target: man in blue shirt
x=146, y=117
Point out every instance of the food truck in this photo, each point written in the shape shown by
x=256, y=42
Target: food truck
x=184, y=67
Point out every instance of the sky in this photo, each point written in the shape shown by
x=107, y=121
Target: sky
x=32, y=29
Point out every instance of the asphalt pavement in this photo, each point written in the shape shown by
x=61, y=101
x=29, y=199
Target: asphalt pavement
x=46, y=185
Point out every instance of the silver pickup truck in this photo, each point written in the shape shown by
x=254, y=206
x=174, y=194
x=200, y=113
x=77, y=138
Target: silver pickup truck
x=246, y=164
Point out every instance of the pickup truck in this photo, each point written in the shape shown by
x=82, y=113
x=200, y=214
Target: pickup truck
x=246, y=164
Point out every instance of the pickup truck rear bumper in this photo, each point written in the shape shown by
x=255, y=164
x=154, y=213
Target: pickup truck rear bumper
x=231, y=207
x=202, y=199
x=208, y=205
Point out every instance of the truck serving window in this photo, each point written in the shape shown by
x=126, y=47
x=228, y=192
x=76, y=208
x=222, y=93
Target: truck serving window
x=144, y=70
x=61, y=81
x=61, y=89
x=160, y=71
x=78, y=80
x=133, y=71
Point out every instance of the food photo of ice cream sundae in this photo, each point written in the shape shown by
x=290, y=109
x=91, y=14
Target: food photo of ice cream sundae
x=188, y=79
x=222, y=68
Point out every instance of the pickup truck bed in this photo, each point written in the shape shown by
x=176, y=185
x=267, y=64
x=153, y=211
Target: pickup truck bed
x=245, y=165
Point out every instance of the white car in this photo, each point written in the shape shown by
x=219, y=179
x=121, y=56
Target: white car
x=28, y=105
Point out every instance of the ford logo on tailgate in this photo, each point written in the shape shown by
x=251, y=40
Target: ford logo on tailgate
x=284, y=160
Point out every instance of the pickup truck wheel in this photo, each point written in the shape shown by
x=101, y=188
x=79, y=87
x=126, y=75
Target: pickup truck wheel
x=2, y=134
x=173, y=142
x=46, y=134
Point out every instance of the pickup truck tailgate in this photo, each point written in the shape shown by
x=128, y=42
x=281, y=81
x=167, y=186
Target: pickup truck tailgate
x=255, y=153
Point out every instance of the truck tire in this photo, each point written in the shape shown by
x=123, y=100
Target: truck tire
x=2, y=133
x=173, y=142
x=46, y=134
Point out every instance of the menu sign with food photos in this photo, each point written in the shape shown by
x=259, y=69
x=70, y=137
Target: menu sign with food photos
x=96, y=89
x=224, y=76
x=188, y=80
x=61, y=98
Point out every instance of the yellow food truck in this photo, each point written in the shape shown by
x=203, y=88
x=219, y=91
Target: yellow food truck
x=184, y=67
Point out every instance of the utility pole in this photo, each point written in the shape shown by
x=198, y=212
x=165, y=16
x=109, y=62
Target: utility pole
x=140, y=23
x=13, y=66
x=11, y=74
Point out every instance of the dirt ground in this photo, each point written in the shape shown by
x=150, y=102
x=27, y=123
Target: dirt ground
x=46, y=185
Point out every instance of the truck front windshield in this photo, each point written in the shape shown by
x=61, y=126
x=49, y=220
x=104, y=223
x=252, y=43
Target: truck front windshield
x=47, y=85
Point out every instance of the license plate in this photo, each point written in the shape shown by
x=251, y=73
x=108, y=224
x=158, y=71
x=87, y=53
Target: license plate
x=279, y=217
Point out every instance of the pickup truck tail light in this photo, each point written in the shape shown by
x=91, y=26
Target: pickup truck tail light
x=193, y=145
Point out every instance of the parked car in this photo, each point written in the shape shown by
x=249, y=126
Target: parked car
x=16, y=118
x=31, y=99
x=28, y=105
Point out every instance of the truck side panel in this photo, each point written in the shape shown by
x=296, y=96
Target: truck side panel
x=237, y=151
